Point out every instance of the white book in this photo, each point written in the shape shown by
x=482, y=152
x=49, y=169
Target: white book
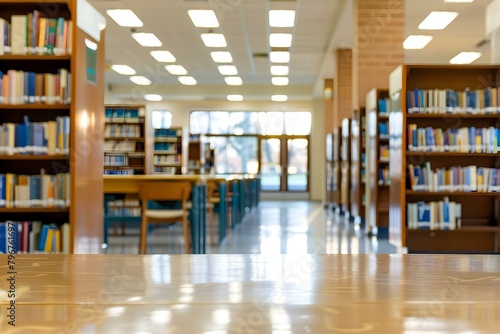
x=18, y=34
x=3, y=25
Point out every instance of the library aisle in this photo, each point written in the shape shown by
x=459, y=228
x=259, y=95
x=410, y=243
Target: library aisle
x=274, y=227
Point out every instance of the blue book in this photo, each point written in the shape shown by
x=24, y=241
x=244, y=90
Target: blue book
x=2, y=190
x=43, y=237
x=31, y=87
x=9, y=240
x=3, y=238
x=423, y=215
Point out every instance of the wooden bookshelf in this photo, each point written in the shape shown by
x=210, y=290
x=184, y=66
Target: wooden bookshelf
x=357, y=192
x=377, y=189
x=167, y=151
x=479, y=231
x=345, y=167
x=124, y=140
x=336, y=185
x=85, y=160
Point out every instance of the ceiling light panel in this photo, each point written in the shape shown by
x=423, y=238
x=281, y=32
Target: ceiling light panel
x=176, y=69
x=280, y=40
x=233, y=81
x=187, y=80
x=153, y=97
x=437, y=20
x=140, y=80
x=416, y=41
x=279, y=56
x=235, y=97
x=203, y=18
x=214, y=40
x=460, y=1
x=124, y=17
x=123, y=69
x=147, y=39
x=279, y=70
x=228, y=70
x=465, y=58
x=279, y=98
x=280, y=81
x=281, y=18
x=163, y=56
x=221, y=56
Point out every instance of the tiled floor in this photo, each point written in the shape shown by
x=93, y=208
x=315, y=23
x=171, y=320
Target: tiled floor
x=275, y=227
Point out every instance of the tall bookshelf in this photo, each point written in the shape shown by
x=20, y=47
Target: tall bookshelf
x=336, y=185
x=345, y=167
x=377, y=162
x=167, y=151
x=444, y=97
x=124, y=140
x=74, y=81
x=357, y=193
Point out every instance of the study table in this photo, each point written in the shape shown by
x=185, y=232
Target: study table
x=253, y=294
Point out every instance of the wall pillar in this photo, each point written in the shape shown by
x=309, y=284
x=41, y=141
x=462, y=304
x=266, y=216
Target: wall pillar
x=342, y=86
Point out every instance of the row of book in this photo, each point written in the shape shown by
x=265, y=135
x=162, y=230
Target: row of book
x=169, y=147
x=122, y=115
x=167, y=133
x=165, y=170
x=119, y=172
x=440, y=215
x=449, y=101
x=22, y=87
x=34, y=191
x=50, y=137
x=465, y=139
x=383, y=176
x=34, y=237
x=457, y=178
x=124, y=208
x=384, y=106
x=117, y=160
x=383, y=129
x=120, y=146
x=166, y=159
x=122, y=131
x=33, y=34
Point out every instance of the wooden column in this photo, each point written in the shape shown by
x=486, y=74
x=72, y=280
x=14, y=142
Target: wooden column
x=379, y=32
x=328, y=103
x=343, y=86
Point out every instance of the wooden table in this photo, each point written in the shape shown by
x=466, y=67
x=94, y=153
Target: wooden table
x=129, y=184
x=253, y=294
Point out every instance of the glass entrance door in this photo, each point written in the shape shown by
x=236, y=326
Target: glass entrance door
x=270, y=164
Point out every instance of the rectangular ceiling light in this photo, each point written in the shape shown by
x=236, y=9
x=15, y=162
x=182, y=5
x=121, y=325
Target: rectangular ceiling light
x=280, y=81
x=281, y=18
x=124, y=17
x=203, y=18
x=463, y=1
x=228, y=70
x=437, y=20
x=416, y=41
x=233, y=81
x=280, y=40
x=140, y=80
x=123, y=69
x=153, y=97
x=279, y=70
x=214, y=40
x=465, y=58
x=279, y=56
x=147, y=39
x=163, y=56
x=221, y=56
x=176, y=69
x=189, y=81
x=235, y=97
x=279, y=98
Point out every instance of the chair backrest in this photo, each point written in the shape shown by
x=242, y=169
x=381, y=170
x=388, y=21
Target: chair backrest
x=165, y=191
x=212, y=189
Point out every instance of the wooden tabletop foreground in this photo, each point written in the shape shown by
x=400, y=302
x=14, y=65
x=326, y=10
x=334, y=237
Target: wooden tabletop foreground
x=279, y=294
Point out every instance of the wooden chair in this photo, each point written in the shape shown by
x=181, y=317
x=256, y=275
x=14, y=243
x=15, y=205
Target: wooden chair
x=174, y=191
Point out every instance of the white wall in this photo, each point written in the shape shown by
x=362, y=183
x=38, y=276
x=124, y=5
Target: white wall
x=180, y=118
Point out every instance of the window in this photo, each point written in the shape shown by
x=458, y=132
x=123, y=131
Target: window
x=161, y=119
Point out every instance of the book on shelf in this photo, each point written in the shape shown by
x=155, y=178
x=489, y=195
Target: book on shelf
x=122, y=131
x=167, y=133
x=34, y=34
x=128, y=171
x=34, y=237
x=449, y=101
x=465, y=139
x=23, y=87
x=384, y=106
x=166, y=170
x=116, y=159
x=167, y=148
x=434, y=215
x=34, y=191
x=124, y=208
x=167, y=159
x=122, y=115
x=454, y=179
x=384, y=153
x=383, y=176
x=383, y=129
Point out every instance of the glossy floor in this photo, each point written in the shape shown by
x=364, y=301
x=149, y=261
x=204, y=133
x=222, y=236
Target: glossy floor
x=274, y=227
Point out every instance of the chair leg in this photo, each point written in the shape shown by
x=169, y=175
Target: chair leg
x=187, y=244
x=143, y=236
